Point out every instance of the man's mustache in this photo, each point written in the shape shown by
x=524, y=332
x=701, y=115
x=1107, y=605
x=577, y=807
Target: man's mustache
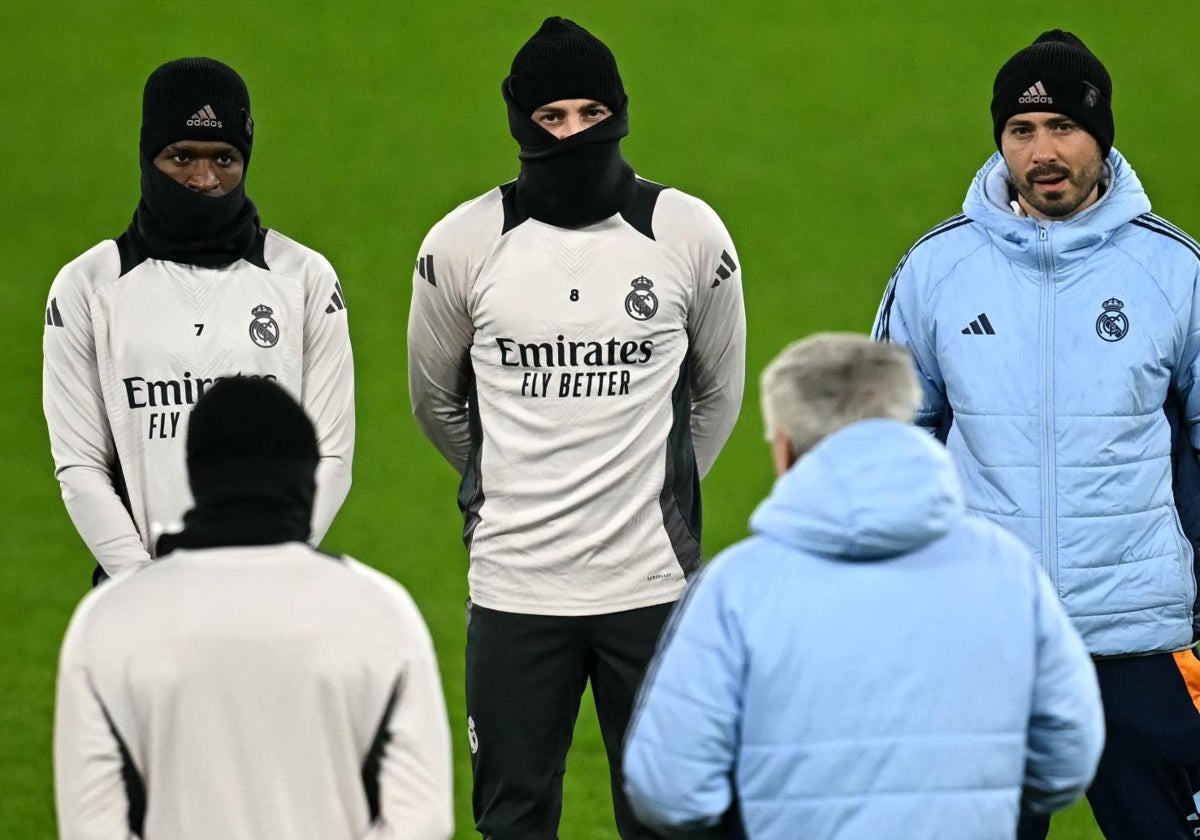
x=1048, y=172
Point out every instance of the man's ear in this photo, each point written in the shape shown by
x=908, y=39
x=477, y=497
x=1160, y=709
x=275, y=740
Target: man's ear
x=781, y=450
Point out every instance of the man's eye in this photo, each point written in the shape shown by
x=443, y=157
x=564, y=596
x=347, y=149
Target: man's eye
x=224, y=160
x=180, y=158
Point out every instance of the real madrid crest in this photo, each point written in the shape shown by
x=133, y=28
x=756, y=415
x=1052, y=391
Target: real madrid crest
x=264, y=331
x=641, y=303
x=1112, y=325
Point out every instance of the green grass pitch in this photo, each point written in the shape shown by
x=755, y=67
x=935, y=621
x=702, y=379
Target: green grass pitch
x=828, y=135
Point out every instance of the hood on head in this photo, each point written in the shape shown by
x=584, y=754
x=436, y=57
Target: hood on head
x=873, y=490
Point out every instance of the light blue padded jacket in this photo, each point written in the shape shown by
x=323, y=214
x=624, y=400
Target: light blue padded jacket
x=1054, y=358
x=873, y=662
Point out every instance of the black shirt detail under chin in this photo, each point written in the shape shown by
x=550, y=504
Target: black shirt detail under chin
x=638, y=213
x=178, y=224
x=132, y=255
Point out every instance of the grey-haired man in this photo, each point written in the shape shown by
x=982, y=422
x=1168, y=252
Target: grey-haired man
x=823, y=678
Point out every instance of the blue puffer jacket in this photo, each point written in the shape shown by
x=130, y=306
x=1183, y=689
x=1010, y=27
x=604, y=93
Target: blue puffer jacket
x=874, y=662
x=1053, y=354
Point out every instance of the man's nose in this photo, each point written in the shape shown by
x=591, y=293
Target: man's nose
x=572, y=124
x=203, y=177
x=1045, y=149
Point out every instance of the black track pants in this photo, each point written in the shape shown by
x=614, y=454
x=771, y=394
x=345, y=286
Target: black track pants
x=525, y=678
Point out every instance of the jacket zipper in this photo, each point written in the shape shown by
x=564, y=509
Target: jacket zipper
x=1049, y=476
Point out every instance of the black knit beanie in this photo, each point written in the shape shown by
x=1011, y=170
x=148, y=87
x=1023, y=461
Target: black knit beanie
x=250, y=434
x=252, y=462
x=1058, y=74
x=195, y=99
x=564, y=61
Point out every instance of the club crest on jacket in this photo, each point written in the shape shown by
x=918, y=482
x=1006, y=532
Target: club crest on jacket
x=1112, y=325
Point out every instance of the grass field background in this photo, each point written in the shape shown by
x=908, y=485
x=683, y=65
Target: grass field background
x=828, y=135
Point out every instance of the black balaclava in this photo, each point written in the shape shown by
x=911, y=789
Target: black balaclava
x=582, y=179
x=252, y=459
x=194, y=99
x=1059, y=74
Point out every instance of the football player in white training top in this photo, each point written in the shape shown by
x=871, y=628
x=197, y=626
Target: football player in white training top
x=250, y=686
x=194, y=290
x=576, y=352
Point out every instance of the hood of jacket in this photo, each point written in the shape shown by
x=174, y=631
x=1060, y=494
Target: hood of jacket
x=1072, y=240
x=873, y=490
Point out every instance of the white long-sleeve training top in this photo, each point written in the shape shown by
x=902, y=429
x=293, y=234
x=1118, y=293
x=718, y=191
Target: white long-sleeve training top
x=582, y=381
x=259, y=693
x=130, y=344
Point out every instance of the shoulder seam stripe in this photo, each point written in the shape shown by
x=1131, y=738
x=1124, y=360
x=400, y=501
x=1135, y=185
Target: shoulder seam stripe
x=1166, y=227
x=1159, y=221
x=1182, y=240
x=946, y=226
x=883, y=331
x=1170, y=226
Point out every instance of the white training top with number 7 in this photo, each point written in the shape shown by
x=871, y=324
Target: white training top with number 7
x=131, y=343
